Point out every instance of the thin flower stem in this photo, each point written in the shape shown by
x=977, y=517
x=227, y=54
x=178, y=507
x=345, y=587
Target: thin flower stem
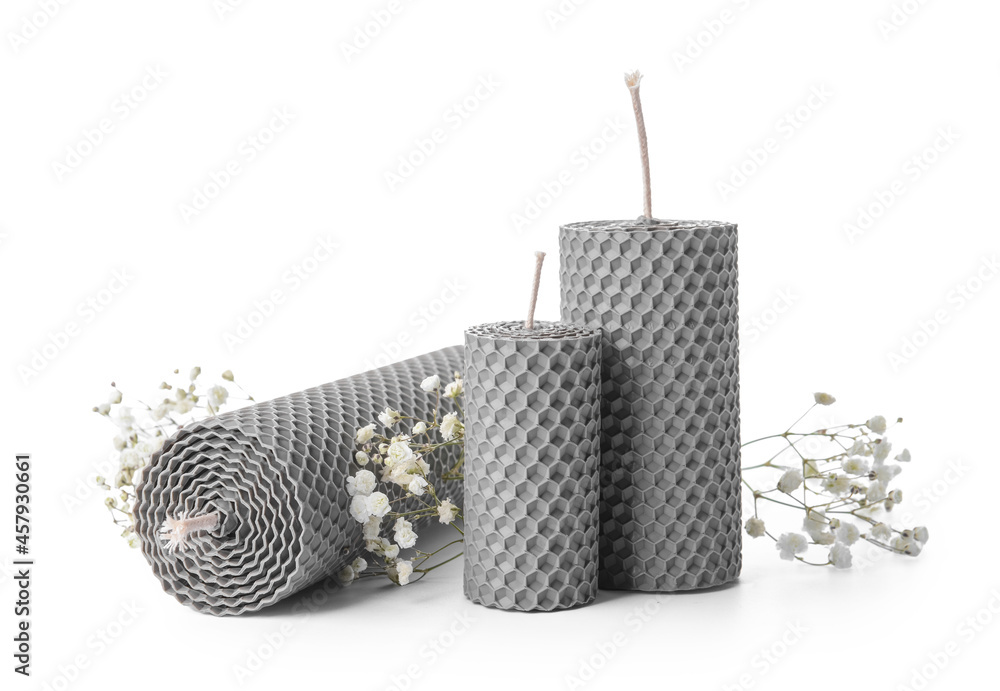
x=809, y=410
x=431, y=568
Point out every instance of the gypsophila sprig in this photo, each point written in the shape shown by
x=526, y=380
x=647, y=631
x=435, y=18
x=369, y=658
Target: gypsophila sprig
x=837, y=481
x=140, y=431
x=400, y=472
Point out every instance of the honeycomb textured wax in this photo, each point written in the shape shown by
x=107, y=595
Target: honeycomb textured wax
x=531, y=467
x=665, y=295
x=277, y=472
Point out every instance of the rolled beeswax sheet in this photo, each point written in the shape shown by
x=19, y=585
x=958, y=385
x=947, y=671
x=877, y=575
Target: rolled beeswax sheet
x=531, y=467
x=665, y=295
x=277, y=471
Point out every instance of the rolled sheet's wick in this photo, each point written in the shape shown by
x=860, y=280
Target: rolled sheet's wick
x=539, y=258
x=177, y=531
x=632, y=81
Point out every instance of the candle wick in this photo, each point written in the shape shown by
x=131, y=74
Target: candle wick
x=632, y=81
x=176, y=531
x=539, y=258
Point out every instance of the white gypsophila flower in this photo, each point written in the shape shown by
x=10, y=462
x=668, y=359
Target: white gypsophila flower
x=885, y=473
x=103, y=409
x=405, y=538
x=399, y=474
x=183, y=404
x=125, y=420
x=877, y=424
x=417, y=485
x=134, y=541
x=148, y=447
x=811, y=468
x=399, y=453
x=218, y=396
x=195, y=371
x=903, y=457
x=115, y=397
x=451, y=427
x=454, y=389
x=403, y=533
x=897, y=496
x=419, y=429
x=362, y=483
x=361, y=458
x=228, y=375
x=856, y=465
x=921, y=534
x=371, y=527
x=817, y=527
x=875, y=492
x=447, y=512
x=404, y=570
x=881, y=451
x=160, y=411
x=383, y=548
x=837, y=484
x=365, y=434
x=358, y=566
x=848, y=533
x=346, y=576
x=359, y=508
x=790, y=481
x=859, y=448
x=431, y=383
x=755, y=527
x=906, y=545
x=881, y=531
x=840, y=556
x=378, y=504
x=389, y=417
x=790, y=544
x=118, y=443
x=824, y=398
x=130, y=458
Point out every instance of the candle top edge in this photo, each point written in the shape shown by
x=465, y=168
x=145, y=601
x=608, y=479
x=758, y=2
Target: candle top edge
x=647, y=224
x=543, y=331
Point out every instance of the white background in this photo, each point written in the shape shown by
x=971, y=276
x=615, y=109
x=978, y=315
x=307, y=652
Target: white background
x=420, y=260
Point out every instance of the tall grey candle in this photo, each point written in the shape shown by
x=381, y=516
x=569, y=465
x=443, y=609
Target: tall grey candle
x=266, y=487
x=665, y=295
x=531, y=468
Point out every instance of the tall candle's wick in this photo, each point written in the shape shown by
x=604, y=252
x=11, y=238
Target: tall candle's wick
x=632, y=81
x=539, y=258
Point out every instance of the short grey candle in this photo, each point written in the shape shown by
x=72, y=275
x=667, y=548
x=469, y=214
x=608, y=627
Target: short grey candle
x=266, y=487
x=531, y=468
x=665, y=295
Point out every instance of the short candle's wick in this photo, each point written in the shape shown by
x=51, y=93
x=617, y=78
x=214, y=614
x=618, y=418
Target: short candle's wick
x=632, y=81
x=177, y=531
x=539, y=258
